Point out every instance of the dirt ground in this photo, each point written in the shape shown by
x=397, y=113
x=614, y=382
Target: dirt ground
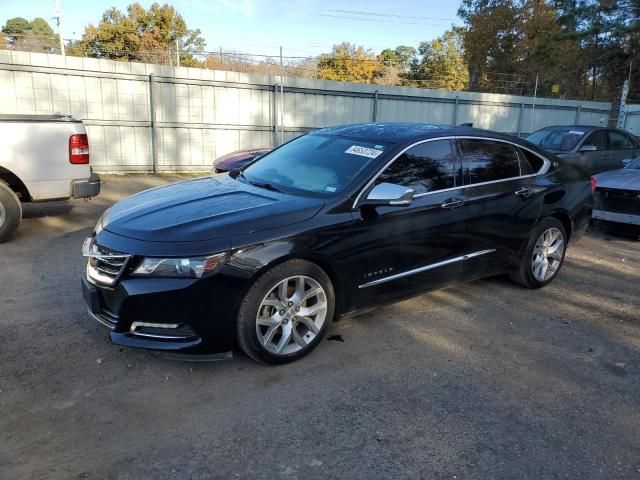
x=484, y=380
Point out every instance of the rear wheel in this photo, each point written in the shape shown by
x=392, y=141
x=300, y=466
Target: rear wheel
x=543, y=256
x=286, y=313
x=10, y=212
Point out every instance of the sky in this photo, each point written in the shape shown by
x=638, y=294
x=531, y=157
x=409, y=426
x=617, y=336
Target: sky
x=301, y=27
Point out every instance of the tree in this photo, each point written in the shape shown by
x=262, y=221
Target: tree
x=400, y=57
x=440, y=64
x=150, y=36
x=490, y=39
x=349, y=63
x=35, y=36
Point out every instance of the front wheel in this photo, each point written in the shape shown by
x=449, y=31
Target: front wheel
x=543, y=256
x=10, y=212
x=286, y=313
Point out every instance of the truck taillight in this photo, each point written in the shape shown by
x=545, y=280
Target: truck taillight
x=79, y=149
x=593, y=184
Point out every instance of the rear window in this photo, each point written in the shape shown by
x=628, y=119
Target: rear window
x=561, y=139
x=316, y=164
x=530, y=162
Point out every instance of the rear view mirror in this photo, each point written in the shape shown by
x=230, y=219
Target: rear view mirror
x=389, y=194
x=588, y=148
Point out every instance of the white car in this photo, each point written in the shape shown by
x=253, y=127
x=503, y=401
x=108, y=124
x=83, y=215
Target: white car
x=42, y=158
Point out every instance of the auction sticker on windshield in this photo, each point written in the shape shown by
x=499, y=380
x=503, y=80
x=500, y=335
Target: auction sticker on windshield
x=363, y=151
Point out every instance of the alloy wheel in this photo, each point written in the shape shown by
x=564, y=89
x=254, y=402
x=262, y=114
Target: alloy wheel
x=547, y=254
x=291, y=315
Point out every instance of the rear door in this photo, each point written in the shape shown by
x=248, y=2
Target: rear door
x=503, y=203
x=412, y=248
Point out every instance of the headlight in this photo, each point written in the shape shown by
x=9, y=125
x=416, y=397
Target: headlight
x=179, y=267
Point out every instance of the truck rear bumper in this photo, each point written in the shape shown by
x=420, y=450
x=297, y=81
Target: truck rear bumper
x=86, y=188
x=617, y=217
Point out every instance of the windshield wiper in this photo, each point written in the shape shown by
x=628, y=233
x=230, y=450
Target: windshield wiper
x=265, y=185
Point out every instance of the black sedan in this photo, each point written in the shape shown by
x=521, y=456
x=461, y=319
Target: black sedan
x=337, y=221
x=595, y=149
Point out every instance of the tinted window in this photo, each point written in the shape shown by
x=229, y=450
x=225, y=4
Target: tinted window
x=315, y=163
x=485, y=160
x=424, y=168
x=598, y=139
x=530, y=162
x=619, y=141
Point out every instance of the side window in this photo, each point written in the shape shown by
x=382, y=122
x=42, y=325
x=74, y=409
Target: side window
x=424, y=168
x=619, y=141
x=530, y=163
x=598, y=139
x=486, y=160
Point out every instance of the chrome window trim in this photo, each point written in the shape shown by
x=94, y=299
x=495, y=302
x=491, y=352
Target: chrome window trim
x=432, y=266
x=544, y=169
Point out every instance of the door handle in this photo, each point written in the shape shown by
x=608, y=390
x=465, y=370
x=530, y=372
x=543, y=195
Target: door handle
x=524, y=192
x=452, y=203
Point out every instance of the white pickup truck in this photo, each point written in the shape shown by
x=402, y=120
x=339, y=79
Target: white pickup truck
x=42, y=158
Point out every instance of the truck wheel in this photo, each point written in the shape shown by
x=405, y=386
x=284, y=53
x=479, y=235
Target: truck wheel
x=10, y=212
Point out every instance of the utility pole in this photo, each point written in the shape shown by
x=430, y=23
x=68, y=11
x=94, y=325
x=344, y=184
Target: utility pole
x=177, y=52
x=281, y=100
x=59, y=22
x=533, y=108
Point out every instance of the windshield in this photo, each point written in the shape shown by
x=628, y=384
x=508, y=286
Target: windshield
x=635, y=165
x=314, y=163
x=560, y=139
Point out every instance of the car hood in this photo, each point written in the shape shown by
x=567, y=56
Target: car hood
x=205, y=209
x=625, y=179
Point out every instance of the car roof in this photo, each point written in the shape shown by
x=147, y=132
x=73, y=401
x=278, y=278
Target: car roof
x=587, y=128
x=401, y=133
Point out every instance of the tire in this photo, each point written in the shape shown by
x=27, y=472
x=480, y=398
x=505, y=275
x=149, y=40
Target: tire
x=282, y=332
x=529, y=272
x=10, y=212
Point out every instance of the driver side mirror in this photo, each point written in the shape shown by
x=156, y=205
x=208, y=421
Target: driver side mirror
x=588, y=148
x=390, y=195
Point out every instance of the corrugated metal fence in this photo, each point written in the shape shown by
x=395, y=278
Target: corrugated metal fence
x=632, y=119
x=197, y=115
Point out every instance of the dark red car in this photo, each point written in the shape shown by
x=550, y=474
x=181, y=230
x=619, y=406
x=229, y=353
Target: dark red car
x=238, y=159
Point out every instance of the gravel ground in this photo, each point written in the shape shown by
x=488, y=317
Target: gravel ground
x=483, y=380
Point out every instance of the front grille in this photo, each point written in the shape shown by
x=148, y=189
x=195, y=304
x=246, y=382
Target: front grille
x=106, y=266
x=618, y=201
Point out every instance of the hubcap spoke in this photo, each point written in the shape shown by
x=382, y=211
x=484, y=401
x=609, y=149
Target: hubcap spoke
x=285, y=339
x=299, y=339
x=310, y=324
x=268, y=321
x=269, y=335
x=313, y=309
x=282, y=291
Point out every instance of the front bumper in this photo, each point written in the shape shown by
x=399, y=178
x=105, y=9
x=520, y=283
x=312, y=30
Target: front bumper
x=86, y=188
x=627, y=218
x=179, y=315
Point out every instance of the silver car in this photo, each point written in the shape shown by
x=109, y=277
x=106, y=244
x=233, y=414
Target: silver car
x=593, y=148
x=616, y=196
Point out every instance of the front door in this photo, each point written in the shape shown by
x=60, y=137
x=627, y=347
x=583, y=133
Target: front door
x=602, y=158
x=403, y=250
x=623, y=149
